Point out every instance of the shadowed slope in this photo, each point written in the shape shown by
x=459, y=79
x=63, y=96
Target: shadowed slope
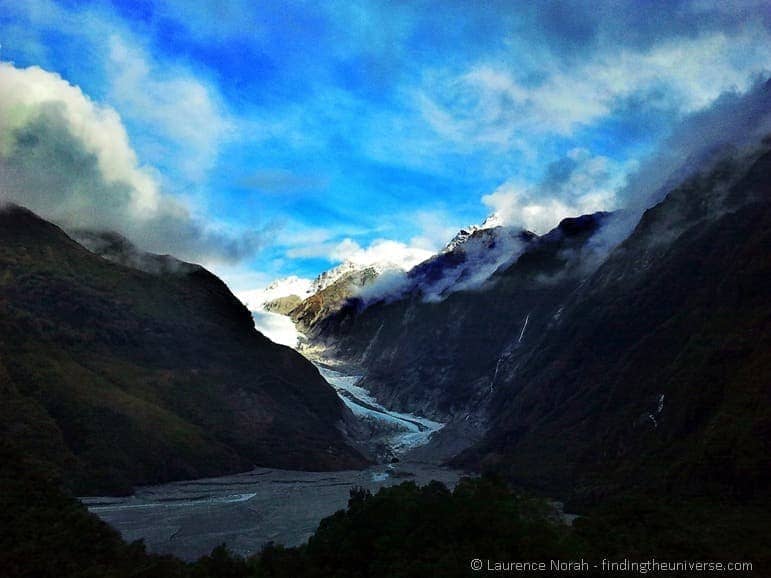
x=126, y=377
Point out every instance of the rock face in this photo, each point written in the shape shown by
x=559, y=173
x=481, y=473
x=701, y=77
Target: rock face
x=121, y=376
x=435, y=351
x=580, y=372
x=330, y=299
x=657, y=372
x=283, y=305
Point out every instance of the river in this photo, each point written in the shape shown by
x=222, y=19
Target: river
x=247, y=510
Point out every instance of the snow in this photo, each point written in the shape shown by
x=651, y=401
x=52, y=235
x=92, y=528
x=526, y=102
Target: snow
x=382, y=256
x=659, y=409
x=256, y=299
x=495, y=375
x=327, y=278
x=407, y=430
x=491, y=222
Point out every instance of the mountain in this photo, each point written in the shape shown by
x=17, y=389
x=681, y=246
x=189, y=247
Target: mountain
x=492, y=221
x=332, y=276
x=657, y=373
x=285, y=294
x=294, y=288
x=466, y=261
x=330, y=298
x=587, y=372
x=308, y=301
x=437, y=353
x=119, y=376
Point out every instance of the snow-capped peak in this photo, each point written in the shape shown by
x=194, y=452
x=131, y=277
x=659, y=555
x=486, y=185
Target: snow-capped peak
x=292, y=285
x=491, y=222
x=326, y=278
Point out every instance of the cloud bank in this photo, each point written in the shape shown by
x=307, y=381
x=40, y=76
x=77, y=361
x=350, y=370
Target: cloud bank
x=490, y=104
x=382, y=251
x=733, y=126
x=575, y=185
x=466, y=267
x=70, y=160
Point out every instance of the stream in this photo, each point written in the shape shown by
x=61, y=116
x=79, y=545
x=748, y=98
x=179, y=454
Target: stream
x=245, y=511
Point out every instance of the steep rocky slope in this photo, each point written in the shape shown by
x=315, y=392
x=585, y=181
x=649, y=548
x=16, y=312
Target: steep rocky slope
x=330, y=299
x=122, y=376
x=658, y=372
x=586, y=374
x=439, y=355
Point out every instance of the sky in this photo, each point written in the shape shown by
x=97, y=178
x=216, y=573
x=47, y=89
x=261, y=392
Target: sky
x=267, y=139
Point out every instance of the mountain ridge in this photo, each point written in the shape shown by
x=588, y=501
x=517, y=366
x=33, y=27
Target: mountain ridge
x=579, y=321
x=123, y=377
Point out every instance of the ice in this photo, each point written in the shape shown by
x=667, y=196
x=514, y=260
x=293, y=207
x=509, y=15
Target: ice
x=408, y=430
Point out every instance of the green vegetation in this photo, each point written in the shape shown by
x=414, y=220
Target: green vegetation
x=402, y=531
x=44, y=532
x=426, y=531
x=121, y=377
x=649, y=408
x=638, y=526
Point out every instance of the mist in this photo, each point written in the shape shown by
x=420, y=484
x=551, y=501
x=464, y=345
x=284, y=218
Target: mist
x=733, y=127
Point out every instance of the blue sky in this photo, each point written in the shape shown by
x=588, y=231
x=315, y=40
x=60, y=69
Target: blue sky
x=282, y=137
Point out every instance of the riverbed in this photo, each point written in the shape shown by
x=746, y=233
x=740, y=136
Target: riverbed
x=245, y=511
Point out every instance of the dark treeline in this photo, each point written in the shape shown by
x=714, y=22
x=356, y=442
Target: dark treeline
x=403, y=530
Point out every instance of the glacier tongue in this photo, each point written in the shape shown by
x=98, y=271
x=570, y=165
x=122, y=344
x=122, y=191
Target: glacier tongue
x=398, y=432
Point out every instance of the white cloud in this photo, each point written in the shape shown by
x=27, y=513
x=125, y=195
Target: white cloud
x=277, y=328
x=578, y=184
x=70, y=159
x=320, y=243
x=488, y=105
x=519, y=206
x=255, y=299
x=24, y=93
x=172, y=104
x=380, y=251
x=173, y=112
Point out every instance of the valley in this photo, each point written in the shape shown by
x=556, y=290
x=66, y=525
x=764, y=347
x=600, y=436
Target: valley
x=189, y=518
x=245, y=511
x=384, y=289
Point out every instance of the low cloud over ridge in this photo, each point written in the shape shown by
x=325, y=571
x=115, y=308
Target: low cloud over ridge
x=70, y=160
